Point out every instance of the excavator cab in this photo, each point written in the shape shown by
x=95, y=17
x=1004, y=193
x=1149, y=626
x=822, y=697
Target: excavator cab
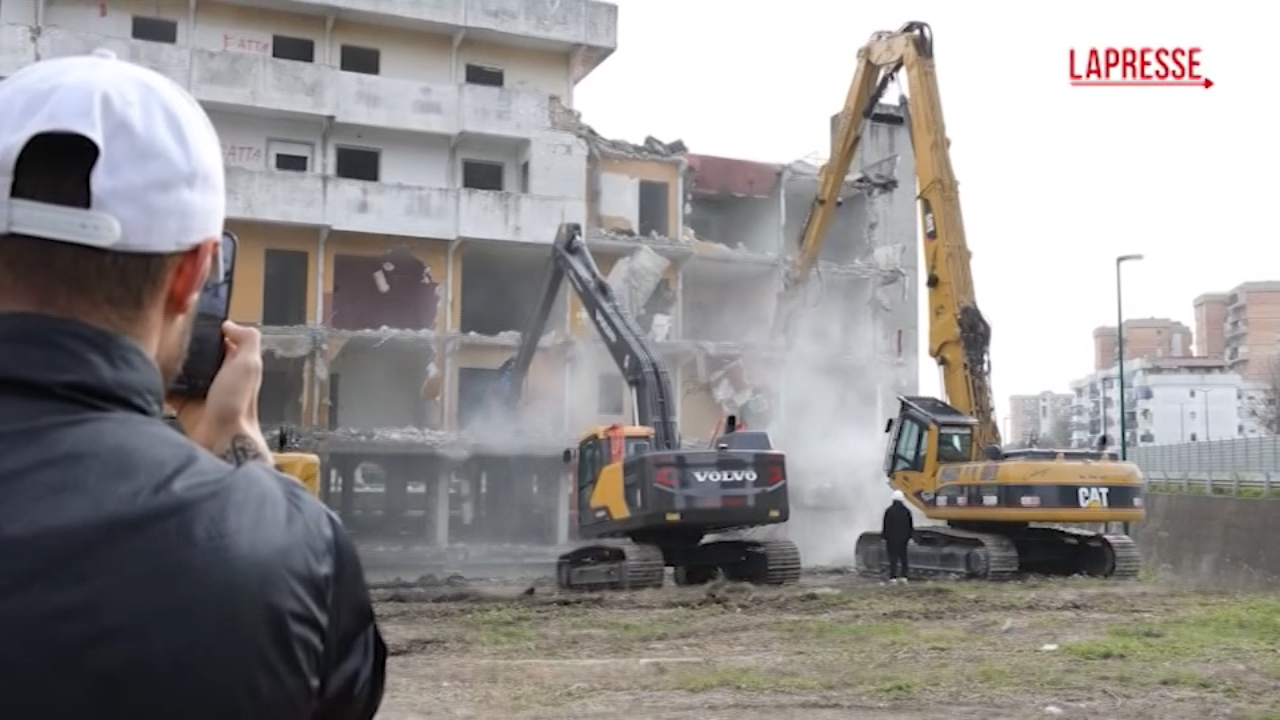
x=927, y=433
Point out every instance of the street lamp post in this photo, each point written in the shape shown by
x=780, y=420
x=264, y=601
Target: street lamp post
x=1124, y=439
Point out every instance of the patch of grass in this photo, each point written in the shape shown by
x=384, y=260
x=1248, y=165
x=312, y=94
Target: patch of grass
x=1224, y=627
x=842, y=632
x=746, y=679
x=503, y=625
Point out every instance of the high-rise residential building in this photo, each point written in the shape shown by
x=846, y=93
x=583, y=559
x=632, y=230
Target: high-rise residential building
x=1041, y=420
x=1251, y=332
x=1144, y=338
x=1211, y=322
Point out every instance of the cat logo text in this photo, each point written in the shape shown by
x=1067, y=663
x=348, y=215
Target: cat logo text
x=1094, y=497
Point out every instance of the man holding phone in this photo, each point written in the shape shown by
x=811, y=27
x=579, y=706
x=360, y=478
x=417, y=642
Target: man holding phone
x=144, y=574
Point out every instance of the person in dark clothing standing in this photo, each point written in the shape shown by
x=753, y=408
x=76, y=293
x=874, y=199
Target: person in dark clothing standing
x=146, y=573
x=897, y=532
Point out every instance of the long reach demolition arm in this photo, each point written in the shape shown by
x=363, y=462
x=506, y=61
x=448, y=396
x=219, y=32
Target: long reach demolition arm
x=959, y=335
x=640, y=365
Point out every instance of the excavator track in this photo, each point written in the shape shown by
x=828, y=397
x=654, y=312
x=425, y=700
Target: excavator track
x=779, y=565
x=1036, y=550
x=611, y=565
x=1110, y=555
x=944, y=552
x=759, y=562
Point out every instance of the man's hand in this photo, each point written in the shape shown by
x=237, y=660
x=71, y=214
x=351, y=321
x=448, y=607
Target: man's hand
x=226, y=422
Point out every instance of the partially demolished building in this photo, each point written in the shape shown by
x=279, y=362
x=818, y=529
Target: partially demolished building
x=390, y=387
x=390, y=384
x=723, y=228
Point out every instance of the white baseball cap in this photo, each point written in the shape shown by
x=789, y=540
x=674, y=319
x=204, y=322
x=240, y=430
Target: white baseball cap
x=158, y=185
x=897, y=495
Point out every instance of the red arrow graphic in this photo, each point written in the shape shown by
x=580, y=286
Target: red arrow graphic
x=1205, y=83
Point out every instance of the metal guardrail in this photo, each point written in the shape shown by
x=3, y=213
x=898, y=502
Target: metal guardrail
x=1251, y=455
x=1237, y=484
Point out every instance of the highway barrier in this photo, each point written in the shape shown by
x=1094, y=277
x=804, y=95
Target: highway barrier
x=1230, y=484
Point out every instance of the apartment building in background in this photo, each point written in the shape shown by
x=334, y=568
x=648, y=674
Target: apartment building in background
x=1167, y=401
x=1040, y=420
x=1242, y=326
x=1144, y=338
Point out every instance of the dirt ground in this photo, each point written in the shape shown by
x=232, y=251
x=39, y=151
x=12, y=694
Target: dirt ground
x=833, y=647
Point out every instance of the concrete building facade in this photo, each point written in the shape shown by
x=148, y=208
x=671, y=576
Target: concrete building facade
x=1144, y=338
x=1211, y=322
x=1167, y=401
x=1040, y=420
x=393, y=174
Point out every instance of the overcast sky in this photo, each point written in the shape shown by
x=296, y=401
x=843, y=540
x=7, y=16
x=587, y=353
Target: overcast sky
x=1055, y=181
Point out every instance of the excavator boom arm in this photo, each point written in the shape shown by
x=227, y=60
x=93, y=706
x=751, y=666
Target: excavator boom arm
x=641, y=366
x=959, y=336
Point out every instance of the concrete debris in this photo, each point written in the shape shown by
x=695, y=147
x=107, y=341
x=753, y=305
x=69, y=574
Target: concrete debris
x=875, y=178
x=660, y=330
x=450, y=445
x=711, y=249
x=433, y=384
x=628, y=237
x=320, y=333
x=288, y=346
x=569, y=120
x=634, y=278
x=887, y=269
x=300, y=340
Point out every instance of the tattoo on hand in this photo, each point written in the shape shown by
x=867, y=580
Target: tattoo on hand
x=242, y=450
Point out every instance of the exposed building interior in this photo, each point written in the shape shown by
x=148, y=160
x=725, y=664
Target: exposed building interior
x=393, y=380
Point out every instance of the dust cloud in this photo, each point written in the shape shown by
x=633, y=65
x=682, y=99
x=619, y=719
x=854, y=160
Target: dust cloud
x=835, y=393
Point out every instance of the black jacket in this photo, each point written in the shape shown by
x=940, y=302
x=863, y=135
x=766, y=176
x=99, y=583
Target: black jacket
x=140, y=576
x=898, y=527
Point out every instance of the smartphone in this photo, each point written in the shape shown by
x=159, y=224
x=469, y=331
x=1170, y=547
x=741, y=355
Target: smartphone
x=208, y=347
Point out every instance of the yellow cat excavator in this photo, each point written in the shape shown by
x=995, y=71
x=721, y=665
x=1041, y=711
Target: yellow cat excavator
x=1005, y=512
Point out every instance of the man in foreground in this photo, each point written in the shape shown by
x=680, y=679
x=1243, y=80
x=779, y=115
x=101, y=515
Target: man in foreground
x=145, y=575
x=897, y=532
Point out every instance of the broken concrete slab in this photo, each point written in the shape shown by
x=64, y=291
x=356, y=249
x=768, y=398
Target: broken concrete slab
x=634, y=278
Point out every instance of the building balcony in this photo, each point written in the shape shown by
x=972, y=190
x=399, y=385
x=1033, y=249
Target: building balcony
x=172, y=61
x=514, y=217
x=285, y=87
x=276, y=197
x=229, y=78
x=503, y=112
x=588, y=28
x=386, y=209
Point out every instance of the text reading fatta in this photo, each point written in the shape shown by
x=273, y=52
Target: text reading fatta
x=1146, y=64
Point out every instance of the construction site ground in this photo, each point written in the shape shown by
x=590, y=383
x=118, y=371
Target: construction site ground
x=834, y=647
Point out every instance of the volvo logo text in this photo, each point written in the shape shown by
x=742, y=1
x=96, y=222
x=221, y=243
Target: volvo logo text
x=719, y=476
